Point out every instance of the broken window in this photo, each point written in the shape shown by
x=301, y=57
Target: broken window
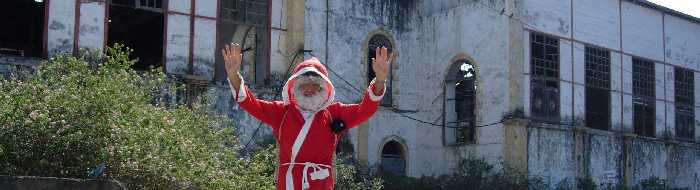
x=685, y=101
x=393, y=159
x=155, y=5
x=460, y=91
x=597, y=88
x=138, y=24
x=544, y=70
x=644, y=97
x=375, y=42
x=23, y=28
x=245, y=22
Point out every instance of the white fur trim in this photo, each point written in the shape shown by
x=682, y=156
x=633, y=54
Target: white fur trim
x=240, y=96
x=308, y=119
x=373, y=96
x=285, y=89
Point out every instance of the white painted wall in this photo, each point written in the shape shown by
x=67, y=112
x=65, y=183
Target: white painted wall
x=422, y=41
x=682, y=42
x=92, y=20
x=597, y=22
x=642, y=31
x=177, y=44
x=61, y=23
x=549, y=16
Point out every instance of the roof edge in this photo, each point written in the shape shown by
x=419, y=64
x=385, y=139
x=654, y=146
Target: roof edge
x=665, y=10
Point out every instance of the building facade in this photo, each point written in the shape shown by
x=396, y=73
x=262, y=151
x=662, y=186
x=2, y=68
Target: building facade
x=559, y=89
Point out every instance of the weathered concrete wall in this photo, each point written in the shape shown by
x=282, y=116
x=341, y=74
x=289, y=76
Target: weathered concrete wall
x=682, y=42
x=684, y=166
x=92, y=25
x=424, y=35
x=642, y=32
x=617, y=155
x=549, y=16
x=15, y=66
x=204, y=42
x=61, y=23
x=177, y=39
x=245, y=125
x=603, y=159
x=597, y=22
x=647, y=159
x=550, y=154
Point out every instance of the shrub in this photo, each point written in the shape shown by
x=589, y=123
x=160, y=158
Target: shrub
x=69, y=116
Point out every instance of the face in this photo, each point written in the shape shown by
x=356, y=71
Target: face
x=309, y=92
x=309, y=87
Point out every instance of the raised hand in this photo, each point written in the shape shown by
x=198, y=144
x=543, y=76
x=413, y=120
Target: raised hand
x=380, y=64
x=232, y=60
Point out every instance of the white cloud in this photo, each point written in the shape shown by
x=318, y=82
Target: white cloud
x=689, y=7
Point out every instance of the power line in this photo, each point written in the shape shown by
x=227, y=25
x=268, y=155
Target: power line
x=277, y=94
x=506, y=118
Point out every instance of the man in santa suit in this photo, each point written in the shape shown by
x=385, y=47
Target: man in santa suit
x=301, y=122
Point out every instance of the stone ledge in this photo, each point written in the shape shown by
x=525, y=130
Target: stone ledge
x=41, y=183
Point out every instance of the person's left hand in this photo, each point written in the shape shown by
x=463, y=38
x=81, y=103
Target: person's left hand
x=380, y=64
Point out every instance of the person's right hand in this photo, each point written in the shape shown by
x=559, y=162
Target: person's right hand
x=232, y=59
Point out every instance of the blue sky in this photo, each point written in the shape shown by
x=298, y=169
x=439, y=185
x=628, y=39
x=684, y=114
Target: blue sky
x=690, y=7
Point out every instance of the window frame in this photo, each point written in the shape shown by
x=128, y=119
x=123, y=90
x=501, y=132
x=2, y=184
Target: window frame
x=644, y=97
x=684, y=97
x=598, y=85
x=466, y=135
x=545, y=77
x=378, y=40
x=259, y=73
x=403, y=156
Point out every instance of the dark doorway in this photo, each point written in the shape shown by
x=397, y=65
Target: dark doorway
x=139, y=26
x=23, y=28
x=393, y=159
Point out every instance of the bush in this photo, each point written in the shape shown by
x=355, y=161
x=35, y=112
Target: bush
x=70, y=115
x=472, y=173
x=351, y=176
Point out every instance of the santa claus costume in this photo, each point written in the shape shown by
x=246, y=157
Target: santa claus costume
x=306, y=144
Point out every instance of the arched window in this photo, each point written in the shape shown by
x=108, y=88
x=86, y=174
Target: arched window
x=379, y=40
x=460, y=99
x=393, y=158
x=245, y=22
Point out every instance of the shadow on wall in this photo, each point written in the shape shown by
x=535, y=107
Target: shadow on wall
x=36, y=183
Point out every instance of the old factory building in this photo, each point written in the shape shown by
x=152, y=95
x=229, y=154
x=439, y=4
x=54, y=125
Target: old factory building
x=559, y=89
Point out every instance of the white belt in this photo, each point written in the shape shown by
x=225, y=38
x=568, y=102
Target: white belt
x=318, y=174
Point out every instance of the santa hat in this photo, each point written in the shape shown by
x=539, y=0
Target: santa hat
x=310, y=65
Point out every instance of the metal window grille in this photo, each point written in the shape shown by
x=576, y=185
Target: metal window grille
x=251, y=12
x=644, y=94
x=245, y=22
x=544, y=51
x=685, y=101
x=154, y=5
x=597, y=88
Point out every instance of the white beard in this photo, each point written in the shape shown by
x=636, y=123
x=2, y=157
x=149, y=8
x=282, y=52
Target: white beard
x=309, y=103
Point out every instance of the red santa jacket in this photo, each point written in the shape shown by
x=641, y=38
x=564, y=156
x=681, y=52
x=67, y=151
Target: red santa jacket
x=306, y=143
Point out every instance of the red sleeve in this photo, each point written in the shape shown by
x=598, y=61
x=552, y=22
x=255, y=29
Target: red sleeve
x=269, y=112
x=355, y=114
